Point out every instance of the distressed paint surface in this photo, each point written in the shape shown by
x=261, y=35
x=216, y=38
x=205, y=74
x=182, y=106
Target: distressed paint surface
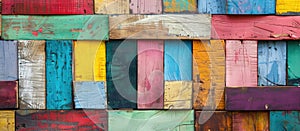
x=90, y=95
x=293, y=53
x=250, y=121
x=121, y=74
x=255, y=27
x=219, y=121
x=150, y=74
x=180, y=6
x=271, y=63
x=251, y=6
x=171, y=26
x=284, y=120
x=90, y=60
x=151, y=120
x=178, y=60
x=71, y=120
x=8, y=94
x=209, y=74
x=8, y=60
x=178, y=95
x=146, y=6
x=241, y=63
x=32, y=83
x=7, y=120
x=212, y=6
x=111, y=6
x=287, y=7
x=68, y=27
x=59, y=74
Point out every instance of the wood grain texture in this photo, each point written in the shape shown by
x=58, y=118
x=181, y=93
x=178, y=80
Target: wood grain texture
x=287, y=7
x=180, y=6
x=151, y=120
x=32, y=83
x=111, y=6
x=90, y=95
x=146, y=6
x=68, y=27
x=293, y=53
x=271, y=63
x=250, y=121
x=172, y=26
x=251, y=6
x=178, y=95
x=7, y=120
x=209, y=74
x=8, y=60
x=150, y=74
x=218, y=121
x=59, y=74
x=284, y=120
x=241, y=63
x=255, y=27
x=47, y=7
x=71, y=120
x=212, y=6
x=8, y=94
x=89, y=61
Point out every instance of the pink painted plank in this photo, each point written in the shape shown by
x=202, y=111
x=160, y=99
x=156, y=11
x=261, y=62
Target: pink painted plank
x=146, y=6
x=241, y=63
x=150, y=74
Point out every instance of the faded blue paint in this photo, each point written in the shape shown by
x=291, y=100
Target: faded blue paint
x=8, y=61
x=212, y=6
x=251, y=6
x=284, y=121
x=59, y=74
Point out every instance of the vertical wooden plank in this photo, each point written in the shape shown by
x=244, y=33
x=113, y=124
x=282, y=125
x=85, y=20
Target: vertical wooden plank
x=293, y=54
x=8, y=61
x=241, y=63
x=251, y=6
x=8, y=94
x=146, y=6
x=150, y=74
x=111, y=6
x=178, y=95
x=250, y=121
x=59, y=74
x=180, y=6
x=7, y=120
x=212, y=6
x=287, y=7
x=219, y=121
x=284, y=120
x=32, y=84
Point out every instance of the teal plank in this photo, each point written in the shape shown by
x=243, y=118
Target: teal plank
x=212, y=6
x=284, y=121
x=59, y=74
x=72, y=27
x=251, y=6
x=8, y=61
x=293, y=63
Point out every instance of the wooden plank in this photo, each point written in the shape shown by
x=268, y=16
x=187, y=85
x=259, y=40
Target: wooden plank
x=180, y=6
x=71, y=120
x=89, y=58
x=7, y=120
x=47, y=7
x=271, y=63
x=209, y=74
x=146, y=6
x=151, y=120
x=215, y=121
x=150, y=74
x=59, y=74
x=293, y=53
x=178, y=60
x=68, y=27
x=8, y=60
x=284, y=120
x=212, y=6
x=251, y=6
x=8, y=94
x=121, y=74
x=250, y=121
x=178, y=95
x=255, y=27
x=171, y=26
x=287, y=7
x=111, y=6
x=32, y=83
x=241, y=63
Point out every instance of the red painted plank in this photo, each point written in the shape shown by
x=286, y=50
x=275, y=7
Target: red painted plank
x=8, y=94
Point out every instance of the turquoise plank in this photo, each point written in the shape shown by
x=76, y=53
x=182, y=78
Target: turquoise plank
x=251, y=6
x=284, y=121
x=59, y=74
x=293, y=63
x=212, y=6
x=8, y=61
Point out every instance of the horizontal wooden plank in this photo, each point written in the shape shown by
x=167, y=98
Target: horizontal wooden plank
x=8, y=60
x=7, y=120
x=178, y=94
x=284, y=120
x=69, y=27
x=293, y=54
x=8, y=94
x=146, y=6
x=251, y=6
x=213, y=121
x=172, y=26
x=287, y=7
x=250, y=121
x=262, y=98
x=180, y=6
x=255, y=27
x=111, y=6
x=212, y=6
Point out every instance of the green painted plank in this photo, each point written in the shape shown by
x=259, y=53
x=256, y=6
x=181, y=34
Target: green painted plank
x=293, y=55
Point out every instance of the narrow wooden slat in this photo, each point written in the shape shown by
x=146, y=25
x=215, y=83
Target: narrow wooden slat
x=216, y=121
x=284, y=120
x=32, y=83
x=251, y=6
x=180, y=6
x=178, y=95
x=293, y=53
x=8, y=94
x=111, y=6
x=287, y=7
x=146, y=6
x=7, y=120
x=250, y=121
x=212, y=6
x=8, y=61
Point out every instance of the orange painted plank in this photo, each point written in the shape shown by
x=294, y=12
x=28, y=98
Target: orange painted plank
x=213, y=121
x=180, y=6
x=7, y=120
x=250, y=121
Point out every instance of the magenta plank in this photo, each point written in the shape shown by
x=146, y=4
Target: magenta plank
x=8, y=94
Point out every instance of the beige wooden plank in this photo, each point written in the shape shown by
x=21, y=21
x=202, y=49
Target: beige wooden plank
x=178, y=95
x=112, y=6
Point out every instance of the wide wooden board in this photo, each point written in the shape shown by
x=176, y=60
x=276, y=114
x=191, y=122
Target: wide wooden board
x=293, y=53
x=111, y=6
x=213, y=121
x=284, y=120
x=287, y=7
x=8, y=60
x=180, y=6
x=8, y=94
x=178, y=95
x=7, y=120
x=212, y=6
x=250, y=121
x=146, y=6
x=251, y=6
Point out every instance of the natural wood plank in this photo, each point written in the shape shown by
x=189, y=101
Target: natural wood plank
x=251, y=6
x=180, y=6
x=178, y=95
x=68, y=27
x=146, y=6
x=284, y=120
x=8, y=94
x=293, y=53
x=111, y=6
x=172, y=26
x=250, y=121
x=287, y=7
x=8, y=61
x=213, y=121
x=212, y=6
x=32, y=83
x=7, y=120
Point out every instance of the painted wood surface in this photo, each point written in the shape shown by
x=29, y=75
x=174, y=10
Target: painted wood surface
x=212, y=6
x=218, y=121
x=209, y=74
x=293, y=53
x=251, y=6
x=178, y=60
x=255, y=27
x=250, y=121
x=8, y=94
x=271, y=63
x=262, y=98
x=59, y=74
x=180, y=6
x=69, y=27
x=287, y=7
x=178, y=95
x=150, y=74
x=121, y=74
x=241, y=63
x=111, y=6
x=172, y=26
x=32, y=83
x=146, y=6
x=284, y=120
x=90, y=60
x=151, y=120
x=7, y=120
x=8, y=60
x=47, y=7
x=71, y=120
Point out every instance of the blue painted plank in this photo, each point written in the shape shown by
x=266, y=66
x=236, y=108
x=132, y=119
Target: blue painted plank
x=284, y=121
x=8, y=61
x=59, y=74
x=212, y=6
x=178, y=60
x=251, y=6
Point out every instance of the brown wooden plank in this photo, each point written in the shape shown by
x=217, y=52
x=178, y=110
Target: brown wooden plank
x=250, y=121
x=213, y=121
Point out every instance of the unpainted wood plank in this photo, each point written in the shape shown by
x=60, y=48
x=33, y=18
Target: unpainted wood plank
x=111, y=6
x=251, y=6
x=178, y=95
x=8, y=61
x=212, y=6
x=146, y=6
x=180, y=6
x=8, y=94
x=284, y=120
x=287, y=7
x=213, y=121
x=7, y=120
x=250, y=121
x=293, y=53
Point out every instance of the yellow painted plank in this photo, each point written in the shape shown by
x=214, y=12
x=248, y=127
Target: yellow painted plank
x=288, y=7
x=7, y=120
x=178, y=95
x=112, y=6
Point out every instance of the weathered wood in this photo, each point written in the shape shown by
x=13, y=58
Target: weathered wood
x=69, y=27
x=178, y=95
x=59, y=74
x=151, y=120
x=111, y=6
x=89, y=61
x=293, y=53
x=90, y=95
x=271, y=63
x=287, y=7
x=8, y=60
x=170, y=26
x=284, y=120
x=212, y=6
x=251, y=6
x=32, y=84
x=241, y=63
x=47, y=7
x=71, y=120
x=209, y=74
x=146, y=6
x=250, y=121
x=8, y=94
x=255, y=27
x=7, y=120
x=216, y=121
x=180, y=6
x=150, y=74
